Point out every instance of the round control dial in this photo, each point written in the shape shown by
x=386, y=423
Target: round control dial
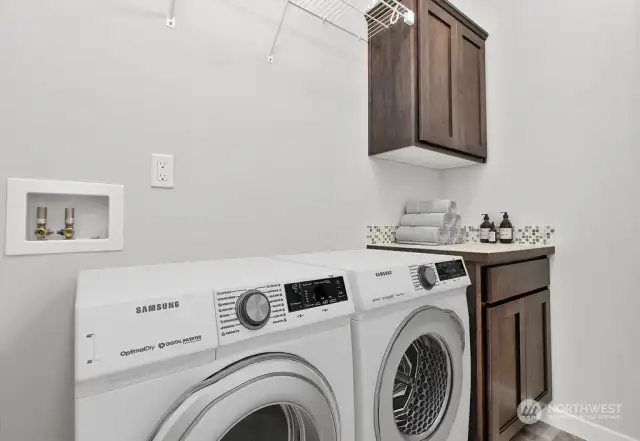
x=427, y=276
x=253, y=309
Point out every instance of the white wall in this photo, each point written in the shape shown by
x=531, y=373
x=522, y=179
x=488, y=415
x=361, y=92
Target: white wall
x=269, y=158
x=564, y=136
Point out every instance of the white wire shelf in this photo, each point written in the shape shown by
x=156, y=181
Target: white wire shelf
x=342, y=14
x=345, y=15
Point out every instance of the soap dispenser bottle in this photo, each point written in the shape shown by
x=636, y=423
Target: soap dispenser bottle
x=506, y=229
x=493, y=234
x=484, y=229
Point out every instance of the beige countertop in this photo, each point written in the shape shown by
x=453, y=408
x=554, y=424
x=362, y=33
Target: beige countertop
x=476, y=252
x=484, y=248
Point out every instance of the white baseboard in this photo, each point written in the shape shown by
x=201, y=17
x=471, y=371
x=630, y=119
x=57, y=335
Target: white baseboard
x=582, y=428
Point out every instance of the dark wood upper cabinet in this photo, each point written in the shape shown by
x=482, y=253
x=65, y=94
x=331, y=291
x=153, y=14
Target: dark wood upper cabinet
x=427, y=89
x=392, y=88
x=438, y=81
x=472, y=118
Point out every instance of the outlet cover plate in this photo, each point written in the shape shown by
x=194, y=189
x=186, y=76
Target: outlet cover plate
x=162, y=171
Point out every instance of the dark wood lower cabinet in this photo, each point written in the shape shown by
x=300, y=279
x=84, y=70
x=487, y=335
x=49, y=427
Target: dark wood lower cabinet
x=506, y=360
x=538, y=346
x=518, y=361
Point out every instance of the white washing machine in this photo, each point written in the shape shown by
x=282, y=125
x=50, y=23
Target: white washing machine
x=410, y=341
x=246, y=349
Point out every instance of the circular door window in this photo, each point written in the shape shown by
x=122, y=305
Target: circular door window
x=278, y=422
x=422, y=387
x=420, y=380
x=269, y=397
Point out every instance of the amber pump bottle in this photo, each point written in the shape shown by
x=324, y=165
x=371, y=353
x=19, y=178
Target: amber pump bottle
x=506, y=229
x=493, y=234
x=484, y=229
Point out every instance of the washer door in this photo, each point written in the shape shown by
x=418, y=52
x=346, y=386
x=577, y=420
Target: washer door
x=420, y=380
x=271, y=397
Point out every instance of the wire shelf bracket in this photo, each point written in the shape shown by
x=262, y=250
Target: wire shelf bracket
x=171, y=16
x=380, y=16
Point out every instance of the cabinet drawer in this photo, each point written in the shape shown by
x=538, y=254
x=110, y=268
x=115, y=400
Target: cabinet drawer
x=508, y=281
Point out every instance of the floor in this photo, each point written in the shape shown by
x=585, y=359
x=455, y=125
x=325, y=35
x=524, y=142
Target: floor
x=544, y=432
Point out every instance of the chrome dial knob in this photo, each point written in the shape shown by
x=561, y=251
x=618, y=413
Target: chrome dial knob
x=427, y=277
x=253, y=309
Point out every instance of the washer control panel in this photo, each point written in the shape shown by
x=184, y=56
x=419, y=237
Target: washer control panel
x=250, y=311
x=232, y=309
x=315, y=293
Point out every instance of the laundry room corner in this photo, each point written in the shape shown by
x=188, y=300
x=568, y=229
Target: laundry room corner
x=199, y=181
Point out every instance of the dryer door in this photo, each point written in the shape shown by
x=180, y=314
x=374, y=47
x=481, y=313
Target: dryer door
x=271, y=397
x=420, y=380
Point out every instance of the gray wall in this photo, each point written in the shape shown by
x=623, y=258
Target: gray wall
x=563, y=108
x=269, y=158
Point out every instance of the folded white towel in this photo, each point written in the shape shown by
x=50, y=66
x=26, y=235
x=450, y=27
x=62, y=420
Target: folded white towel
x=455, y=230
x=442, y=220
x=437, y=206
x=432, y=235
x=454, y=233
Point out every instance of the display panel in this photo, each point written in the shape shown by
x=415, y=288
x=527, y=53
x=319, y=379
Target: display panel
x=314, y=293
x=450, y=270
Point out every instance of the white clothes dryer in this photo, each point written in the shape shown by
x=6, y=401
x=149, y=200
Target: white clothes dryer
x=410, y=343
x=244, y=349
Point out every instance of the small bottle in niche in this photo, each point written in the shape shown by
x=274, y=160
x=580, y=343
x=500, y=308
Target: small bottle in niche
x=506, y=229
x=493, y=234
x=484, y=229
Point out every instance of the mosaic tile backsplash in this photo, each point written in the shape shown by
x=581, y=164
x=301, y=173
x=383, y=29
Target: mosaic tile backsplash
x=527, y=235
x=381, y=234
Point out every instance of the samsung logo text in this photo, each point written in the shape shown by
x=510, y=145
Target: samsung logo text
x=157, y=307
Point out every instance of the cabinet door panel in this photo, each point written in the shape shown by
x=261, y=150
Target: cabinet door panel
x=392, y=88
x=437, y=80
x=472, y=126
x=538, y=346
x=505, y=372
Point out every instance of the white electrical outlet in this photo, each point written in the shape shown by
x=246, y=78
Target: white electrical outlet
x=162, y=171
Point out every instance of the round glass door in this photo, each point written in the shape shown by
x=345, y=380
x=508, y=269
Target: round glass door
x=420, y=380
x=270, y=397
x=283, y=422
x=422, y=387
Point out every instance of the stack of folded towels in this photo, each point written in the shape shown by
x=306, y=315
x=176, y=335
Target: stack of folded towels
x=429, y=222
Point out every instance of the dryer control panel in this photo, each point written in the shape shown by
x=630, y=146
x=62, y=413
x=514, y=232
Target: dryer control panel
x=244, y=312
x=451, y=269
x=438, y=276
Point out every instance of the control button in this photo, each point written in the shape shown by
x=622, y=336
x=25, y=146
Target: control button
x=427, y=276
x=253, y=309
